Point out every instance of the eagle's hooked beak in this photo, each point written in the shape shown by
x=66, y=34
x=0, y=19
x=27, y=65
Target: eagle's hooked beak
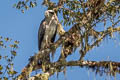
x=46, y=14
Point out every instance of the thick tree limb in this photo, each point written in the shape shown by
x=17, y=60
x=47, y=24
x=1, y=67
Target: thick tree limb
x=97, y=66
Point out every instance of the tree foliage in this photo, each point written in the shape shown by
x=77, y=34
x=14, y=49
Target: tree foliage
x=85, y=17
x=7, y=70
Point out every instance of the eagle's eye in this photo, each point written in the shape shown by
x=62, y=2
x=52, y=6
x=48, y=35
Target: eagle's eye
x=51, y=12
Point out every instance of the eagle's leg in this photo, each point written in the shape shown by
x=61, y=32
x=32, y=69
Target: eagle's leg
x=47, y=43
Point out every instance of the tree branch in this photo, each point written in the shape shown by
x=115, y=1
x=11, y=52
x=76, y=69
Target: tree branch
x=100, y=67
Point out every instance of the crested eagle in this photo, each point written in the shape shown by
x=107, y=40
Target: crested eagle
x=47, y=31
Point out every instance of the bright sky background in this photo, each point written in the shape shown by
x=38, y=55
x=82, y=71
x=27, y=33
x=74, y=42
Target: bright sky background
x=24, y=28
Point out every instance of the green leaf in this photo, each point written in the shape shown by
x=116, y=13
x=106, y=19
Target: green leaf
x=6, y=39
x=0, y=74
x=22, y=11
x=14, y=46
x=26, y=7
x=16, y=42
x=5, y=78
x=14, y=6
x=1, y=43
x=15, y=72
x=1, y=67
x=0, y=37
x=0, y=57
x=5, y=57
x=13, y=78
x=13, y=53
x=26, y=1
x=12, y=72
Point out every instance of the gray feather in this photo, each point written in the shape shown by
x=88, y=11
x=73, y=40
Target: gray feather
x=41, y=33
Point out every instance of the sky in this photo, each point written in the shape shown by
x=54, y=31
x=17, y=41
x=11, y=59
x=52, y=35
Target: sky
x=24, y=28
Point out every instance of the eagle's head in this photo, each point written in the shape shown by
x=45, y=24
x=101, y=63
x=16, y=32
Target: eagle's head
x=49, y=13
